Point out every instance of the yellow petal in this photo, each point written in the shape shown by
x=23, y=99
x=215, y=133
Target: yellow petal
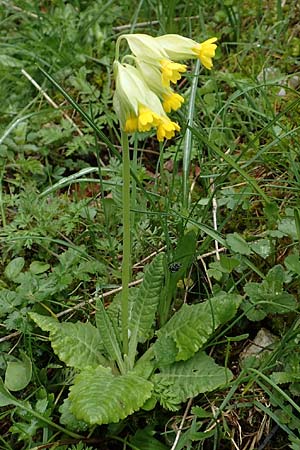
x=172, y=101
x=166, y=129
x=171, y=71
x=206, y=51
x=131, y=124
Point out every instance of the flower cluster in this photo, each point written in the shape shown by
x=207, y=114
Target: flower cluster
x=144, y=94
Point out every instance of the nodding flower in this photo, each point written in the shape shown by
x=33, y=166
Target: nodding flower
x=143, y=93
x=137, y=106
x=169, y=48
x=150, y=73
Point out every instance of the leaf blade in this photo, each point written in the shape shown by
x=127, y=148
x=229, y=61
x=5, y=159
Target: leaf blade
x=185, y=379
x=76, y=344
x=92, y=400
x=192, y=325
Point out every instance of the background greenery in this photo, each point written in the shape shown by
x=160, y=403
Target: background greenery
x=61, y=214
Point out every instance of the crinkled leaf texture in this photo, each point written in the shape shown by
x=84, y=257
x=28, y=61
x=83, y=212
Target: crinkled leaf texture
x=182, y=380
x=78, y=344
x=145, y=306
x=192, y=326
x=68, y=419
x=143, y=303
x=99, y=397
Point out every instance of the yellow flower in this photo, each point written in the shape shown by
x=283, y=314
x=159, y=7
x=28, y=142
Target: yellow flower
x=172, y=101
x=166, y=129
x=147, y=119
x=171, y=71
x=148, y=50
x=178, y=47
x=151, y=74
x=131, y=94
x=137, y=106
x=131, y=124
x=171, y=47
x=206, y=51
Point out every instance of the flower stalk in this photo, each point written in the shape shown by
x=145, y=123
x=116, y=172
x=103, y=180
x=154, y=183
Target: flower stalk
x=143, y=98
x=126, y=262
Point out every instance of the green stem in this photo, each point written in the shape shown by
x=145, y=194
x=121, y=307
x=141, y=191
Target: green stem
x=187, y=148
x=126, y=240
x=2, y=205
x=134, y=185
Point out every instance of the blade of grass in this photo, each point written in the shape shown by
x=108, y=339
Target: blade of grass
x=187, y=146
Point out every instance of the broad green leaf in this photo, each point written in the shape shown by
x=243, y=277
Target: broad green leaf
x=146, y=302
x=18, y=374
x=292, y=263
x=76, y=344
x=238, y=244
x=99, y=397
x=182, y=380
x=228, y=263
x=37, y=267
x=46, y=323
x=262, y=247
x=13, y=269
x=192, y=325
x=288, y=227
x=108, y=334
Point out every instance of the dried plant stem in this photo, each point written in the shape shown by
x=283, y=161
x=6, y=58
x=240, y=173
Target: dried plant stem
x=189, y=403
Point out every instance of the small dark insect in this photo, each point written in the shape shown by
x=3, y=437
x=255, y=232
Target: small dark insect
x=174, y=267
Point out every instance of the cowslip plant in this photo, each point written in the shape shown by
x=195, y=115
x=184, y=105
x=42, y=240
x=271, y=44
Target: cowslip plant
x=113, y=379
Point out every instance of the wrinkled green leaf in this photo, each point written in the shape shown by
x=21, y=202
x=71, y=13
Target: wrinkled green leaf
x=182, y=380
x=76, y=344
x=285, y=377
x=98, y=397
x=146, y=302
x=67, y=418
x=288, y=227
x=18, y=374
x=192, y=326
x=108, y=333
